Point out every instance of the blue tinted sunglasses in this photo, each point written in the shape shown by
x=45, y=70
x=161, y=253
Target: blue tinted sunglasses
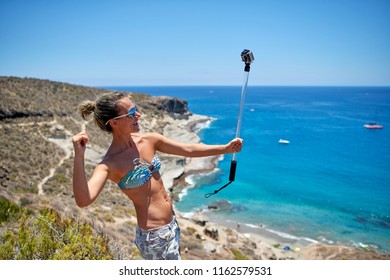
x=130, y=113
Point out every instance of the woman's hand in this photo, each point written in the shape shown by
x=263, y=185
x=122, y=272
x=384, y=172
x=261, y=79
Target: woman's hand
x=80, y=143
x=168, y=146
x=235, y=145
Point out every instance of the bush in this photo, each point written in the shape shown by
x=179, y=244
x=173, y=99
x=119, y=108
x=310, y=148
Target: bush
x=24, y=201
x=191, y=230
x=238, y=255
x=52, y=237
x=8, y=210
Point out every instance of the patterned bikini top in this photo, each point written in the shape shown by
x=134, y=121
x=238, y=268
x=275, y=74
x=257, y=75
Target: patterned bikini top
x=141, y=173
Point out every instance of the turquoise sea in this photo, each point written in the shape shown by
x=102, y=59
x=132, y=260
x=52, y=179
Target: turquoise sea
x=331, y=183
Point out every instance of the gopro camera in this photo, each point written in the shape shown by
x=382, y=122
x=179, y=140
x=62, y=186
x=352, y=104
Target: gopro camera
x=247, y=56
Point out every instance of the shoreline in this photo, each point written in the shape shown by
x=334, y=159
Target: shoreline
x=178, y=172
x=265, y=243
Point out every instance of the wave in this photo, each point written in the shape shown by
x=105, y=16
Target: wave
x=192, y=182
x=261, y=228
x=292, y=237
x=201, y=125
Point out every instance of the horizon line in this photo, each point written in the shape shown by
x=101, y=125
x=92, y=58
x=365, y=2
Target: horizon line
x=100, y=86
x=194, y=85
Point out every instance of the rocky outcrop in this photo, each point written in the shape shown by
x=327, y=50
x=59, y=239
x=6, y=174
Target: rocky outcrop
x=173, y=105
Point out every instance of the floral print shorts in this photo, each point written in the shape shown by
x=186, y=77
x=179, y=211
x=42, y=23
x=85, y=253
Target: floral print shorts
x=162, y=243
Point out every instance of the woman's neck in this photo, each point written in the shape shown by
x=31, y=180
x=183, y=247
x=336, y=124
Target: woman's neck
x=121, y=142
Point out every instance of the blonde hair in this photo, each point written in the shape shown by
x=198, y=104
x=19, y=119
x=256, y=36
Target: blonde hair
x=104, y=108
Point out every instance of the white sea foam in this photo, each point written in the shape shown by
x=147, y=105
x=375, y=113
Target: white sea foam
x=325, y=240
x=183, y=193
x=202, y=125
x=363, y=245
x=283, y=235
x=191, y=181
x=292, y=237
x=187, y=215
x=252, y=226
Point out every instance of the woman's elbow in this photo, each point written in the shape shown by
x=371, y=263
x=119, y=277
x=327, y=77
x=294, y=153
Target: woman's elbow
x=82, y=203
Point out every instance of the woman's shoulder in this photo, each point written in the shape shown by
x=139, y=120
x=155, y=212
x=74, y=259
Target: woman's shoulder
x=148, y=136
x=107, y=160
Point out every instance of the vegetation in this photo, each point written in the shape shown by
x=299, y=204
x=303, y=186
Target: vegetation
x=191, y=230
x=52, y=237
x=238, y=255
x=8, y=210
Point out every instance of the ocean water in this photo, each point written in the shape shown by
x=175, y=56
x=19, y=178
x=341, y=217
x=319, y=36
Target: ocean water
x=331, y=183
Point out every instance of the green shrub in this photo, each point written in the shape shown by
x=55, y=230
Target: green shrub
x=24, y=201
x=8, y=210
x=238, y=255
x=50, y=236
x=60, y=178
x=193, y=245
x=191, y=230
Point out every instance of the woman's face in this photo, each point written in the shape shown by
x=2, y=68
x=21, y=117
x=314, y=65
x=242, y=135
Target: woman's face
x=130, y=114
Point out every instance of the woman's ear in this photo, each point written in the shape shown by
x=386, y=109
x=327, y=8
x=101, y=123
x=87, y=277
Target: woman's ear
x=112, y=122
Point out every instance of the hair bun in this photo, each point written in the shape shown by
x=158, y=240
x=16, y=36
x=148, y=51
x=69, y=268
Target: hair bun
x=86, y=108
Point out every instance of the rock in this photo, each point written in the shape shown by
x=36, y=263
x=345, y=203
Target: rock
x=211, y=232
x=223, y=205
x=200, y=237
x=173, y=105
x=201, y=222
x=199, y=219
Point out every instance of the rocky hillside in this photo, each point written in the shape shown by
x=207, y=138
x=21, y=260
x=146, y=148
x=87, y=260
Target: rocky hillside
x=37, y=120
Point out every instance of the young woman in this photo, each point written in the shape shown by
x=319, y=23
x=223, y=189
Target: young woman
x=131, y=162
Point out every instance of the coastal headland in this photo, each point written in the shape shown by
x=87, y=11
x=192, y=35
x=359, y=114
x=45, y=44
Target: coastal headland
x=37, y=121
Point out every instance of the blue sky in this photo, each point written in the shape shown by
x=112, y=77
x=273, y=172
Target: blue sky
x=100, y=43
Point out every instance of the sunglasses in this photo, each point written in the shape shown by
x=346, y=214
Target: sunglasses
x=130, y=113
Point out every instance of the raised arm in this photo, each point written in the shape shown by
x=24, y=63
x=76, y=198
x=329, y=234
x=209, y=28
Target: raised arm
x=86, y=192
x=165, y=145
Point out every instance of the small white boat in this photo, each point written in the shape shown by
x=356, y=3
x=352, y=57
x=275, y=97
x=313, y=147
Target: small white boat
x=373, y=125
x=283, y=141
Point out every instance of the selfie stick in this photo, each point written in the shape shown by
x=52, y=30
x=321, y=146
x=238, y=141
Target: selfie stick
x=247, y=57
